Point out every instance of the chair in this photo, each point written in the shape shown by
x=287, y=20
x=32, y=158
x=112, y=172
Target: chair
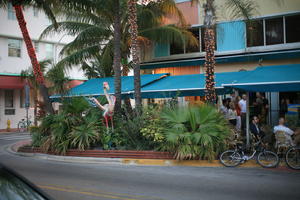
x=282, y=144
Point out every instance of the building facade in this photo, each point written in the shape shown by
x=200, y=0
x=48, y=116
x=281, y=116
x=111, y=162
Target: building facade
x=14, y=59
x=271, y=38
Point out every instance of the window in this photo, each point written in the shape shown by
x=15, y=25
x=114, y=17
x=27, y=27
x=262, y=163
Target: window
x=176, y=49
x=292, y=28
x=274, y=31
x=49, y=51
x=192, y=49
x=255, y=33
x=35, y=12
x=9, y=98
x=11, y=13
x=279, y=30
x=14, y=48
x=36, y=47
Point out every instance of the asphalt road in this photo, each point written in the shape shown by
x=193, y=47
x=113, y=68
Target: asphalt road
x=75, y=181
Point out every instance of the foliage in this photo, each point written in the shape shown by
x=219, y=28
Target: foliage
x=135, y=132
x=94, y=34
x=195, y=132
x=77, y=125
x=153, y=126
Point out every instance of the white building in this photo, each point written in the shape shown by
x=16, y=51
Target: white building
x=14, y=59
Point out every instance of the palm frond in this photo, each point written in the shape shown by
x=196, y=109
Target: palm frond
x=241, y=9
x=79, y=56
x=69, y=27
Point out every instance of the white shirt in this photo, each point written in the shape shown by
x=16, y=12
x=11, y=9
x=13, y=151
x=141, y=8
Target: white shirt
x=288, y=132
x=284, y=129
x=242, y=104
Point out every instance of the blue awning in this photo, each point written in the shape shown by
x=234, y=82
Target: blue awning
x=94, y=87
x=279, y=78
x=188, y=85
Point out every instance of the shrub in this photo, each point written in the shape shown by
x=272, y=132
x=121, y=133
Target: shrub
x=195, y=132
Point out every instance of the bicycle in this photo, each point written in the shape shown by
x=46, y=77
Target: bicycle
x=234, y=157
x=292, y=157
x=23, y=125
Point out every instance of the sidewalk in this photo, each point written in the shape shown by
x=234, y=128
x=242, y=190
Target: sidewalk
x=122, y=161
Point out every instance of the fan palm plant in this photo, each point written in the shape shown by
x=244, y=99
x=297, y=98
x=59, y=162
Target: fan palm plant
x=45, y=5
x=194, y=132
x=243, y=9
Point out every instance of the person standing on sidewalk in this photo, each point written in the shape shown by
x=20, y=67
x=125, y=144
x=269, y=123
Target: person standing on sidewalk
x=243, y=107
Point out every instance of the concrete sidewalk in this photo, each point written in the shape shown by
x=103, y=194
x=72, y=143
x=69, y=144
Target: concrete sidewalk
x=123, y=161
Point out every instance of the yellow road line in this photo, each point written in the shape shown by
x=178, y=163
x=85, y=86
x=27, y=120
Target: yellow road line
x=85, y=193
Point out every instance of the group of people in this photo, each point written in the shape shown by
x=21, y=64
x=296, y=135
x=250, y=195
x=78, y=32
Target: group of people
x=234, y=110
x=292, y=137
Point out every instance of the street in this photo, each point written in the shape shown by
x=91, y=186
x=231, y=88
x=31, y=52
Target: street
x=77, y=181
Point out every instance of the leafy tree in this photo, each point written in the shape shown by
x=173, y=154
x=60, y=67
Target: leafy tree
x=95, y=33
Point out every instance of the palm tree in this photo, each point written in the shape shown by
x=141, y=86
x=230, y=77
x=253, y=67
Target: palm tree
x=45, y=5
x=95, y=34
x=132, y=18
x=239, y=9
x=117, y=54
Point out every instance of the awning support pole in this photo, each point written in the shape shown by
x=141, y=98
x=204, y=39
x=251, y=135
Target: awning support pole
x=247, y=120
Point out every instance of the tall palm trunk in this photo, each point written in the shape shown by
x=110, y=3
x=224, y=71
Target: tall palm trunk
x=117, y=55
x=31, y=52
x=134, y=51
x=209, y=42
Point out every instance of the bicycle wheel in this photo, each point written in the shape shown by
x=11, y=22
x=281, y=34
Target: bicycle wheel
x=21, y=127
x=267, y=159
x=292, y=158
x=230, y=158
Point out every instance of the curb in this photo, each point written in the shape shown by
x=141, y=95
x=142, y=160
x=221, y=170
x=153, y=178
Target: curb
x=125, y=161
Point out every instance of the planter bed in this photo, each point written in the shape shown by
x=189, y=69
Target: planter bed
x=106, y=153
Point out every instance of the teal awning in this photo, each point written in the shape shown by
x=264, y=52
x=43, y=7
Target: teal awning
x=188, y=85
x=94, y=87
x=279, y=78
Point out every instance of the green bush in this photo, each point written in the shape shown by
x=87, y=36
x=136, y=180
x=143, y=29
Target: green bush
x=134, y=131
x=195, y=132
x=77, y=126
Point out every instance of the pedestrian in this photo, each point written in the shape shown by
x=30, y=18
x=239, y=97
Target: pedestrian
x=243, y=107
x=232, y=114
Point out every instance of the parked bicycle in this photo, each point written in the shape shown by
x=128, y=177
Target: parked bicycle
x=292, y=157
x=234, y=157
x=23, y=125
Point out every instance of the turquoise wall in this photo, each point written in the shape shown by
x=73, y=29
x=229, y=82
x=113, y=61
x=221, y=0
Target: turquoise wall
x=231, y=36
x=161, y=50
